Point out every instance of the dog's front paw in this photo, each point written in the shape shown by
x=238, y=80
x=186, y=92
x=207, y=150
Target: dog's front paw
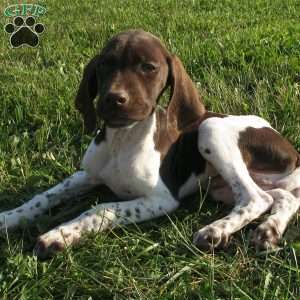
x=266, y=236
x=45, y=249
x=210, y=237
x=52, y=242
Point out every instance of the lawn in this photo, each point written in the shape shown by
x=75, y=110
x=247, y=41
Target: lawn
x=244, y=57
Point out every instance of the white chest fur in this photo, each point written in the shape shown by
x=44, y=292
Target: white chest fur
x=126, y=161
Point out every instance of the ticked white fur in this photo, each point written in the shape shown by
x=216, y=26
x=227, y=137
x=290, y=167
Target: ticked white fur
x=218, y=143
x=128, y=163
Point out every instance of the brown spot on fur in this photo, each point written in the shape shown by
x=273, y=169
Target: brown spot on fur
x=67, y=183
x=264, y=150
x=274, y=227
x=56, y=246
x=207, y=151
x=19, y=210
x=223, y=226
x=241, y=212
x=127, y=213
x=38, y=204
x=151, y=211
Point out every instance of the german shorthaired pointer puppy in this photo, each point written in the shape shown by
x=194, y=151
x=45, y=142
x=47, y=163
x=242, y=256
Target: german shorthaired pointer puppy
x=153, y=157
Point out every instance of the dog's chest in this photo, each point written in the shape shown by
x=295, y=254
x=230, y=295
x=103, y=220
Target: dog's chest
x=132, y=171
x=126, y=161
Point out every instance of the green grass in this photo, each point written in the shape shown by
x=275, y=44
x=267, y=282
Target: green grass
x=244, y=56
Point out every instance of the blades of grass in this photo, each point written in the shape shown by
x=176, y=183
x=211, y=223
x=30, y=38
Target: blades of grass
x=267, y=282
x=242, y=291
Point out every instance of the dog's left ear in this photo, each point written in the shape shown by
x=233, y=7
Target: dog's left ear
x=185, y=105
x=86, y=94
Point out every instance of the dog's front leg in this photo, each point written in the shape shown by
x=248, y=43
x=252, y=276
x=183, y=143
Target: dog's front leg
x=102, y=217
x=74, y=186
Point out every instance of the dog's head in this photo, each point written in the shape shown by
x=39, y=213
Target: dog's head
x=129, y=76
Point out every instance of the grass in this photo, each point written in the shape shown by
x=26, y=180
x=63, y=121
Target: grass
x=244, y=57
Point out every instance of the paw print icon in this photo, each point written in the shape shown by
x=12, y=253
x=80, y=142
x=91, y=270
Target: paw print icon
x=24, y=32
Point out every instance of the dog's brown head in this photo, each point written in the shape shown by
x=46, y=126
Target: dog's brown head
x=130, y=75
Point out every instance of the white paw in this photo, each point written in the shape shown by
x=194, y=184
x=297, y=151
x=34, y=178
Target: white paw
x=266, y=236
x=53, y=241
x=210, y=237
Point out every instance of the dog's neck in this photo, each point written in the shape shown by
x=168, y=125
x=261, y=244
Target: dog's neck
x=134, y=135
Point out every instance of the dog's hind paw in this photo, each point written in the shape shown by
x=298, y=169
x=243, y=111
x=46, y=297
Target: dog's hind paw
x=210, y=237
x=266, y=236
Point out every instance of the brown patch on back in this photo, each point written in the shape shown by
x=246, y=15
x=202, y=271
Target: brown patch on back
x=181, y=160
x=166, y=135
x=264, y=150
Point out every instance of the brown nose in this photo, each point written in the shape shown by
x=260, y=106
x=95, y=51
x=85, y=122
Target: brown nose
x=116, y=98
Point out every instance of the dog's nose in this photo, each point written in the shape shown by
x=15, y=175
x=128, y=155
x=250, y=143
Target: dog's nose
x=116, y=98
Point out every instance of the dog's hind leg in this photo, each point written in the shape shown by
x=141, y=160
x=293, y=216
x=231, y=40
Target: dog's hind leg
x=74, y=186
x=286, y=204
x=218, y=144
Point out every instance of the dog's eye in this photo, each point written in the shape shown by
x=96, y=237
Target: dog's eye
x=147, y=67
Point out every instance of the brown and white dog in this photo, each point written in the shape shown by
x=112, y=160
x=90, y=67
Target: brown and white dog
x=152, y=158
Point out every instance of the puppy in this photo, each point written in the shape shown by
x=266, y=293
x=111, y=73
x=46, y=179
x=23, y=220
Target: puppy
x=153, y=157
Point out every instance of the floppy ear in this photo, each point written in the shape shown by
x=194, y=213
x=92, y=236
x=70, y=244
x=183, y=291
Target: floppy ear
x=185, y=106
x=86, y=94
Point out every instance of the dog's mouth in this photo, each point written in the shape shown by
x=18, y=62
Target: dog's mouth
x=117, y=118
x=119, y=123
